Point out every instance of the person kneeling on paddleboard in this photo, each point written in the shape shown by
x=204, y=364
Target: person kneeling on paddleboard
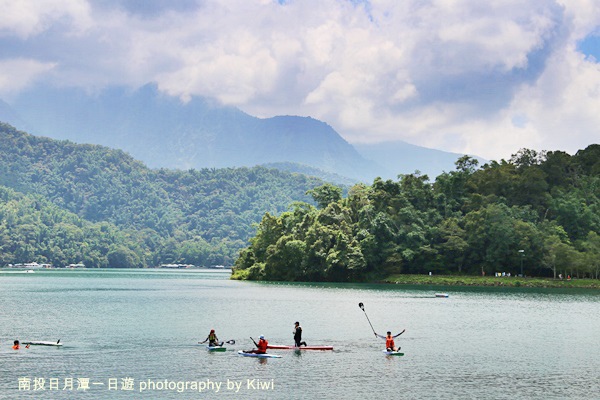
x=213, y=340
x=389, y=340
x=261, y=346
x=298, y=335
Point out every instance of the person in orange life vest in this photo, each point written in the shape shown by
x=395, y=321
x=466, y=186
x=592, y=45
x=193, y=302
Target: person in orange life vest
x=212, y=339
x=261, y=346
x=389, y=340
x=17, y=345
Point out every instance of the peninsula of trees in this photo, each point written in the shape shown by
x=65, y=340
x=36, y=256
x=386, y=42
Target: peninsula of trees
x=536, y=214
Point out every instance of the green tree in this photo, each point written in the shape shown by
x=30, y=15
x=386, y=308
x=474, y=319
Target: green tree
x=325, y=194
x=122, y=257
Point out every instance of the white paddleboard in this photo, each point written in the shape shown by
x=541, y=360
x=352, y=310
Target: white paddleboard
x=42, y=343
x=264, y=355
x=392, y=353
x=216, y=349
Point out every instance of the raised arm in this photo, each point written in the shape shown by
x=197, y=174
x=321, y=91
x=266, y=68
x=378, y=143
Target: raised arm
x=400, y=333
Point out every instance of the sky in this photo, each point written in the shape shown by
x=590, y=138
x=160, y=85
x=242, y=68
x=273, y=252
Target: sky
x=468, y=76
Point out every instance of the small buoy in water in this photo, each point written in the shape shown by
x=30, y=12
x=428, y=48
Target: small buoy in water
x=442, y=295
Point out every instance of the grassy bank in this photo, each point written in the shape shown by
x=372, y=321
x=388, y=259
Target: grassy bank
x=448, y=280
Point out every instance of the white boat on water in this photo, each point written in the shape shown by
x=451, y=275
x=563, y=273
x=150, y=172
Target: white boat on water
x=29, y=266
x=176, y=266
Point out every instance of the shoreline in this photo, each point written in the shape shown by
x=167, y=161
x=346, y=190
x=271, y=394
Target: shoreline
x=490, y=281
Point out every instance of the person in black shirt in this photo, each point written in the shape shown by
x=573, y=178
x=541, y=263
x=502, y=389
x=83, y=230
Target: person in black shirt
x=298, y=335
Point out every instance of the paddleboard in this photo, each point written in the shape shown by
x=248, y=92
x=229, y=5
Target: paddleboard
x=265, y=355
x=392, y=353
x=42, y=343
x=442, y=295
x=211, y=348
x=281, y=347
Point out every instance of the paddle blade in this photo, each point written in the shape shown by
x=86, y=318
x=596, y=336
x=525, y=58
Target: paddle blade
x=362, y=306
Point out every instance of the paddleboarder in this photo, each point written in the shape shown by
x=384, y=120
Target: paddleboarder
x=261, y=346
x=212, y=339
x=298, y=335
x=389, y=340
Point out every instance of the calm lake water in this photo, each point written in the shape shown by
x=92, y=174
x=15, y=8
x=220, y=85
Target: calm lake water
x=133, y=334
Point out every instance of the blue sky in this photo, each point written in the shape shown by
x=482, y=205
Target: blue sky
x=590, y=46
x=467, y=76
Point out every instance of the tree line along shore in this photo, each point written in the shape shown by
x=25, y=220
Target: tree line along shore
x=493, y=281
x=537, y=214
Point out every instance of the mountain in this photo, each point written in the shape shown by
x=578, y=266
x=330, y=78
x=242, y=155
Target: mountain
x=8, y=114
x=398, y=157
x=162, y=131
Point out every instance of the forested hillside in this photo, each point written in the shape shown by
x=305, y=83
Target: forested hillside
x=33, y=229
x=200, y=217
x=537, y=211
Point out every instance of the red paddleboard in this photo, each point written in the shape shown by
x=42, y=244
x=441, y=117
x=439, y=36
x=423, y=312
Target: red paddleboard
x=278, y=347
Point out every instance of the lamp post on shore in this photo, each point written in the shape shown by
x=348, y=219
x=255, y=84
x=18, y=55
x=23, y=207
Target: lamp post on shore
x=522, y=254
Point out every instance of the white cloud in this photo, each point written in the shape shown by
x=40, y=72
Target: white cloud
x=17, y=74
x=485, y=78
x=26, y=18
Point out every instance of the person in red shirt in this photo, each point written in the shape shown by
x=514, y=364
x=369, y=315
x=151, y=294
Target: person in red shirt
x=389, y=340
x=261, y=346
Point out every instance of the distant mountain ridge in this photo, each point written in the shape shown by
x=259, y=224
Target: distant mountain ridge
x=396, y=156
x=162, y=131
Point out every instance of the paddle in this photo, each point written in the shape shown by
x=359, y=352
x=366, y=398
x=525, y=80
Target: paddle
x=362, y=307
x=251, y=351
x=231, y=341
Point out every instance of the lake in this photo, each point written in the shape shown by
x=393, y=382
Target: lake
x=134, y=334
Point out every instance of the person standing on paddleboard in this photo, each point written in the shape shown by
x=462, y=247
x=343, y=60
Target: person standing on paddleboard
x=298, y=335
x=213, y=340
x=389, y=340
